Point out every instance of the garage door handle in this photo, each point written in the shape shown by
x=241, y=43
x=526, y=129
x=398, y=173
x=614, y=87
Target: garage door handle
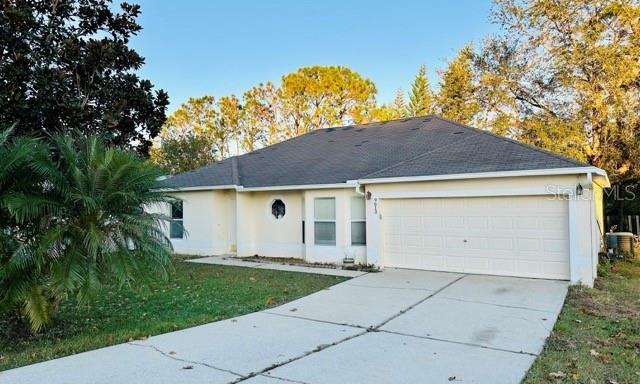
x=465, y=240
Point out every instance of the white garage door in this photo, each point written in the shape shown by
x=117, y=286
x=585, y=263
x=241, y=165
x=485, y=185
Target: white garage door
x=513, y=236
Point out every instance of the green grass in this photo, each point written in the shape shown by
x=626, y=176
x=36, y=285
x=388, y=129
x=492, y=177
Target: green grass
x=195, y=294
x=597, y=336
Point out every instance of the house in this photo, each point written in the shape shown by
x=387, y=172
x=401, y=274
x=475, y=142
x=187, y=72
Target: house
x=422, y=193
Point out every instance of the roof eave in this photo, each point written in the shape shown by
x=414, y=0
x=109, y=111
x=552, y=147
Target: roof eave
x=197, y=188
x=486, y=175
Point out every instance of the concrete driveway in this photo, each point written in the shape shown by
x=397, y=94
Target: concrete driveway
x=398, y=326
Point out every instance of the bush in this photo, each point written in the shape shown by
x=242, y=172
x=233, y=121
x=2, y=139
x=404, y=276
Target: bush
x=73, y=219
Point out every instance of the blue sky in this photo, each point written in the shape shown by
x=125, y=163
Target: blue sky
x=198, y=47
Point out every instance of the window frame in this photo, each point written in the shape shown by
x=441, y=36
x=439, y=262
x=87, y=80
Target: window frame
x=334, y=222
x=176, y=219
x=362, y=220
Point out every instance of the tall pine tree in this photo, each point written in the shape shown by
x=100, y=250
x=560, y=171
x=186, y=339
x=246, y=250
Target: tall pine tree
x=399, y=105
x=421, y=96
x=457, y=96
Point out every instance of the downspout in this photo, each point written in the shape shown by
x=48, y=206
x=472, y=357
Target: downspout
x=358, y=191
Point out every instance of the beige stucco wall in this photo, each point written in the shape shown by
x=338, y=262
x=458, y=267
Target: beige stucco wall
x=207, y=219
x=262, y=234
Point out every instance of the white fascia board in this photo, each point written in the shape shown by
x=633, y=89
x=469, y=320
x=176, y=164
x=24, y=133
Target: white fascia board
x=240, y=188
x=294, y=187
x=602, y=180
x=486, y=175
x=200, y=188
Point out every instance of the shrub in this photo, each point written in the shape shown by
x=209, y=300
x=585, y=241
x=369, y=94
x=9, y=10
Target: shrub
x=73, y=220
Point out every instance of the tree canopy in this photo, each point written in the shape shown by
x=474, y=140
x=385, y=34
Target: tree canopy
x=421, y=96
x=319, y=96
x=456, y=98
x=67, y=65
x=566, y=76
x=190, y=138
x=307, y=99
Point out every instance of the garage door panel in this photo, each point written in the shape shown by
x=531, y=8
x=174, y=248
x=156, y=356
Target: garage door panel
x=454, y=223
x=501, y=223
x=520, y=236
x=477, y=223
x=431, y=222
x=454, y=263
x=412, y=225
x=553, y=224
x=433, y=241
x=505, y=266
x=452, y=242
x=528, y=245
x=477, y=243
x=529, y=267
x=393, y=243
x=477, y=264
x=553, y=245
x=527, y=223
x=557, y=269
x=412, y=243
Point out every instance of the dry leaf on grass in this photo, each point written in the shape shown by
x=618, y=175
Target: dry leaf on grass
x=557, y=375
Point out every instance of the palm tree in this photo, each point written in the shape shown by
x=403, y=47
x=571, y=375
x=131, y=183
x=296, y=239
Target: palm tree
x=79, y=224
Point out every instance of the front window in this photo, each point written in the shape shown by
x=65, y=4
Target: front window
x=176, y=229
x=358, y=223
x=325, y=221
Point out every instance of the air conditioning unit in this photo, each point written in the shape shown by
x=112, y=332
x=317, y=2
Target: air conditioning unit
x=620, y=243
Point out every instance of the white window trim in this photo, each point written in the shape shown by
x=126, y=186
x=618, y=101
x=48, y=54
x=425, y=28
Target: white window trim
x=334, y=221
x=176, y=220
x=352, y=220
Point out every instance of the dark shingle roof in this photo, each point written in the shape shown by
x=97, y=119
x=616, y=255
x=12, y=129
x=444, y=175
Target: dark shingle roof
x=419, y=146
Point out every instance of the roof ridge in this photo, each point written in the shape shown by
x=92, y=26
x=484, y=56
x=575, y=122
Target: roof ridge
x=364, y=125
x=415, y=157
x=513, y=141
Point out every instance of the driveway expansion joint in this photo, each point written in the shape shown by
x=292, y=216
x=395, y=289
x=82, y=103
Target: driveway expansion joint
x=432, y=294
x=497, y=305
x=283, y=379
x=385, y=287
x=322, y=347
x=172, y=357
x=316, y=320
x=458, y=342
x=317, y=349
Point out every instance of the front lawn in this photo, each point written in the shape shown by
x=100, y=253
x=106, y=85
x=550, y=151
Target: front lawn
x=195, y=294
x=597, y=336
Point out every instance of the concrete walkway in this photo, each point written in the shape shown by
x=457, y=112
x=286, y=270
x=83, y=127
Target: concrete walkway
x=236, y=262
x=398, y=326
